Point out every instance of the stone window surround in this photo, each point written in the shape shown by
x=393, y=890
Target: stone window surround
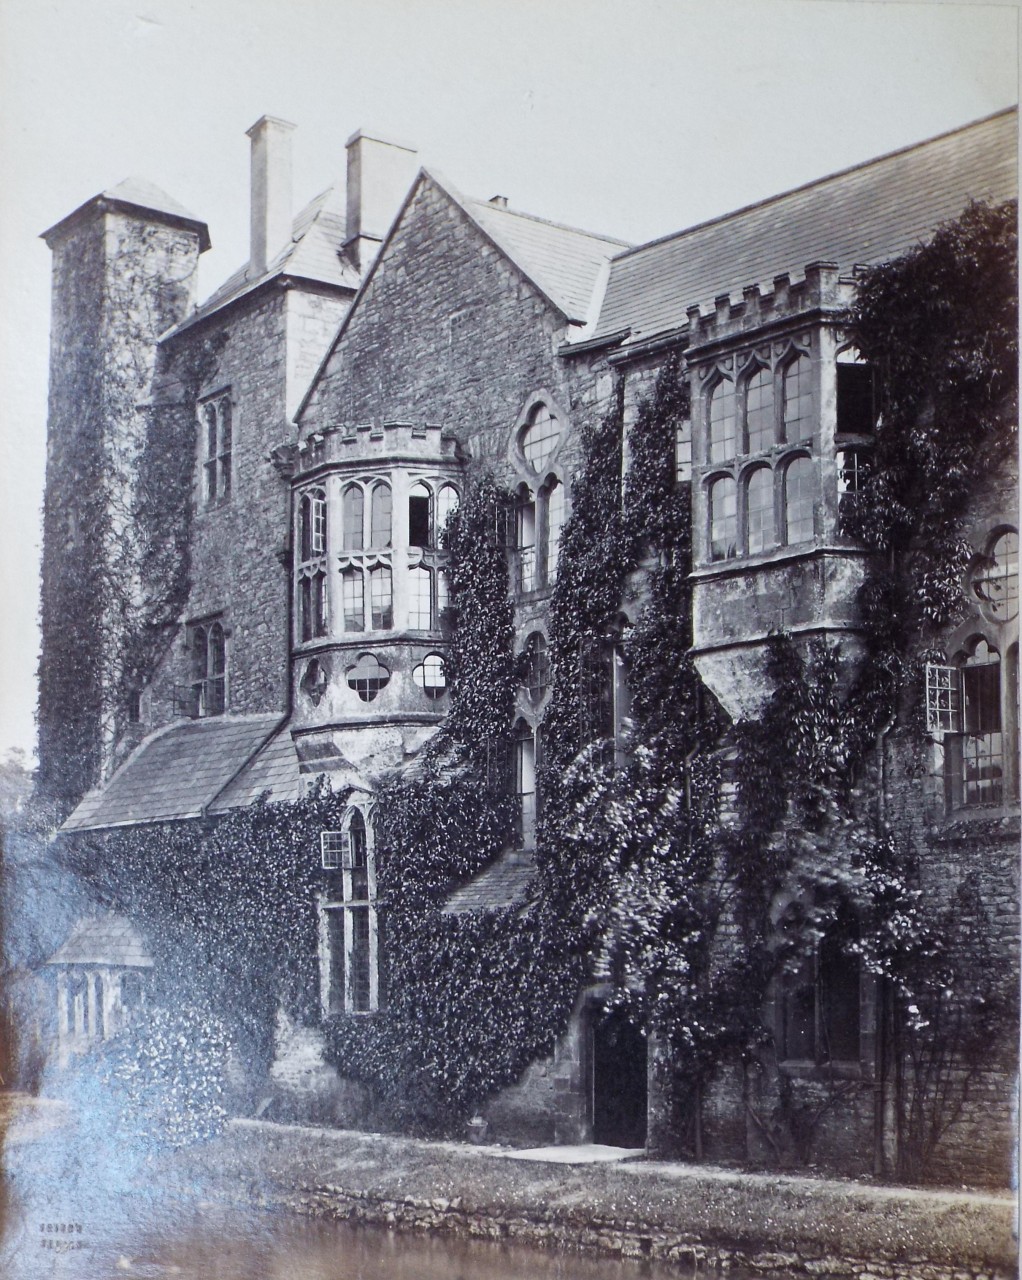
x=209, y=687
x=398, y=555
x=779, y=465
x=533, y=567
x=216, y=458
x=343, y=906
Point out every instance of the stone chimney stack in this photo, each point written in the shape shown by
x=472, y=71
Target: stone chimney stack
x=271, y=190
x=379, y=175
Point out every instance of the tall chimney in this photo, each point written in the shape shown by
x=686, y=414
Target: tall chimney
x=271, y=190
x=379, y=175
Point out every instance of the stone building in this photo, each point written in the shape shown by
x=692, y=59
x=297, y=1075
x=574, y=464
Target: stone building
x=310, y=428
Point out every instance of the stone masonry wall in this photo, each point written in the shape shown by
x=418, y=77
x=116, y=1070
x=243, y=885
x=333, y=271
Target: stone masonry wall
x=119, y=280
x=239, y=566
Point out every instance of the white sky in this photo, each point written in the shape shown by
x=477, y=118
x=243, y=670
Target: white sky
x=631, y=117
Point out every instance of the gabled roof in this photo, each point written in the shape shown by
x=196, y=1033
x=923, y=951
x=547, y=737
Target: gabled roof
x=144, y=196
x=175, y=773
x=314, y=252
x=563, y=262
x=107, y=940
x=502, y=884
x=870, y=213
x=566, y=265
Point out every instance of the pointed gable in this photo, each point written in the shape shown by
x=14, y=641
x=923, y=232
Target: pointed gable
x=455, y=279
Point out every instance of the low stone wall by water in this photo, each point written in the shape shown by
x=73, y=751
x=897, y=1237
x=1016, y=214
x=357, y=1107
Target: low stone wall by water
x=701, y=1220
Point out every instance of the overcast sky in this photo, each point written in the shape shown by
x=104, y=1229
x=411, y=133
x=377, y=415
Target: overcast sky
x=631, y=117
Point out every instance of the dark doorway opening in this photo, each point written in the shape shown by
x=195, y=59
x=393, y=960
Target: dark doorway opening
x=619, y=1081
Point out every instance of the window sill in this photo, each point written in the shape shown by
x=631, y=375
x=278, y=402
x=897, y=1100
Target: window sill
x=804, y=1069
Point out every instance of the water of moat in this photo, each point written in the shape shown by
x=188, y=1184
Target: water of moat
x=210, y=1244
x=75, y=1205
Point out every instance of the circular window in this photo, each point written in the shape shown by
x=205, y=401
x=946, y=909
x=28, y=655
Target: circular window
x=431, y=676
x=368, y=676
x=540, y=437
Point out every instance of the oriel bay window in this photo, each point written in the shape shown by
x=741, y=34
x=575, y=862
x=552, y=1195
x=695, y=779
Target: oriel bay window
x=428, y=512
x=350, y=974
x=312, y=565
x=723, y=518
x=759, y=411
x=759, y=508
x=367, y=601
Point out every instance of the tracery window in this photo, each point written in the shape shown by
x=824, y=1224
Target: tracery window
x=353, y=517
x=554, y=525
x=368, y=677
x=431, y=675
x=723, y=422
x=798, y=400
x=525, y=540
x=312, y=566
x=759, y=521
x=380, y=518
x=983, y=742
x=723, y=518
x=540, y=437
x=218, y=446
x=858, y=407
x=995, y=579
x=351, y=979
x=683, y=451
x=799, y=493
x=972, y=705
x=759, y=410
x=419, y=522
x=208, y=647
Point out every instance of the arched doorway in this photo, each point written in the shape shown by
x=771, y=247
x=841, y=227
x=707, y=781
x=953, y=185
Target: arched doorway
x=619, y=1060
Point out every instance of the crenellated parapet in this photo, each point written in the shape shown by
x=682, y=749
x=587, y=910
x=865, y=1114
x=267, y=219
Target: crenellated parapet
x=822, y=290
x=376, y=443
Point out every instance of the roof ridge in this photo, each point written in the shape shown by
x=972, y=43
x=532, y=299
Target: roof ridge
x=815, y=182
x=549, y=222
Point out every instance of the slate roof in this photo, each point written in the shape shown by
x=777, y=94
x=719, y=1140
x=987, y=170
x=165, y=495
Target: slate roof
x=563, y=261
x=870, y=213
x=502, y=884
x=313, y=253
x=274, y=773
x=140, y=193
x=107, y=940
x=175, y=773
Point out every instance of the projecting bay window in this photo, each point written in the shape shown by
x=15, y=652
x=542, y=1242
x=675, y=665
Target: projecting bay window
x=858, y=407
x=350, y=968
x=428, y=590
x=312, y=565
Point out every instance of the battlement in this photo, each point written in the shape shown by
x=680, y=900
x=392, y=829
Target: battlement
x=373, y=442
x=822, y=288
